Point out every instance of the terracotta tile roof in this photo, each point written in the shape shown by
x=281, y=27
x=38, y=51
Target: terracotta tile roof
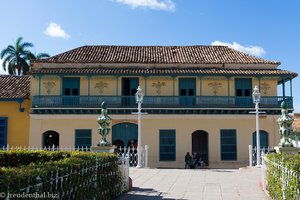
x=163, y=71
x=156, y=55
x=14, y=86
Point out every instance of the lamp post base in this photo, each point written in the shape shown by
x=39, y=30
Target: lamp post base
x=107, y=149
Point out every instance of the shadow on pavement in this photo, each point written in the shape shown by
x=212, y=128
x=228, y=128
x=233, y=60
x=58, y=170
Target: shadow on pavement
x=143, y=194
x=221, y=170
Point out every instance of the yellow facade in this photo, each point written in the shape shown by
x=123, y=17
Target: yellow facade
x=50, y=86
x=184, y=127
x=103, y=85
x=152, y=85
x=17, y=122
x=160, y=86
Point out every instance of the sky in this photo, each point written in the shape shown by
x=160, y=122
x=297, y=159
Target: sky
x=268, y=29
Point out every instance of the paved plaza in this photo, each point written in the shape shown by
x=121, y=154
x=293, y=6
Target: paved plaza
x=197, y=184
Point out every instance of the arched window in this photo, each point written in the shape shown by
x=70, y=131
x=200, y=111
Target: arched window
x=50, y=139
x=124, y=134
x=264, y=139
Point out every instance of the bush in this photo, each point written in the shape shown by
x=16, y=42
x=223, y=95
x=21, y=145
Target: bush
x=74, y=175
x=16, y=158
x=283, y=167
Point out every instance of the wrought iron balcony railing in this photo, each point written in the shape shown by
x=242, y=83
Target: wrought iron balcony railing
x=158, y=102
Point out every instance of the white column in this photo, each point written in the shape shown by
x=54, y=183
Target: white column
x=139, y=148
x=250, y=156
x=258, y=164
x=146, y=155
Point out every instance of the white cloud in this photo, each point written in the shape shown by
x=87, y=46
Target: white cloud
x=253, y=50
x=167, y=5
x=54, y=30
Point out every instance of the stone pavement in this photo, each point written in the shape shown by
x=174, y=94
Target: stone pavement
x=196, y=184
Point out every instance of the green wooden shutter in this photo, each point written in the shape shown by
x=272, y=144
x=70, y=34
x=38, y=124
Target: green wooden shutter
x=264, y=140
x=124, y=132
x=167, y=145
x=83, y=138
x=187, y=91
x=3, y=131
x=243, y=92
x=228, y=144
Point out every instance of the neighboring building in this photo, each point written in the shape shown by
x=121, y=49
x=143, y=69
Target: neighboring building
x=14, y=110
x=197, y=99
x=296, y=129
x=296, y=123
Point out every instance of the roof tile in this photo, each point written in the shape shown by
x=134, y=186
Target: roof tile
x=156, y=55
x=163, y=71
x=14, y=86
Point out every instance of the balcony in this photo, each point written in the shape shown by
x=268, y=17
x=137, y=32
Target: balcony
x=161, y=102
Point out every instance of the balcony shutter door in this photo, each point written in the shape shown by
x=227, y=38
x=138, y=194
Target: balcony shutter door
x=243, y=92
x=70, y=90
x=187, y=91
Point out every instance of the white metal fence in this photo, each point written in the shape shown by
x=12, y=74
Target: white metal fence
x=132, y=154
x=49, y=148
x=253, y=154
x=286, y=177
x=122, y=152
x=58, y=182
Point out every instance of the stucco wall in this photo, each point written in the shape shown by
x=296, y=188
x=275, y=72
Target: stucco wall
x=110, y=85
x=215, y=87
x=184, y=125
x=159, y=86
x=50, y=86
x=244, y=125
x=103, y=86
x=18, y=122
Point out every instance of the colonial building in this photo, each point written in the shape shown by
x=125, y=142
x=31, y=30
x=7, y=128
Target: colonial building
x=14, y=110
x=296, y=129
x=197, y=99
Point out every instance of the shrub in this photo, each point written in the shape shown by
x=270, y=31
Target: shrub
x=16, y=158
x=283, y=175
x=74, y=175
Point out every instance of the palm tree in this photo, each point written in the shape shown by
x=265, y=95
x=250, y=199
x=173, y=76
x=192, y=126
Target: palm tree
x=17, y=58
x=39, y=56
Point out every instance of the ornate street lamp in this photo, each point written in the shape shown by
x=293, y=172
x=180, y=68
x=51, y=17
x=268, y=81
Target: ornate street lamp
x=256, y=100
x=139, y=100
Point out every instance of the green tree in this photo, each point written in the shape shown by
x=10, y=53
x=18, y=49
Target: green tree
x=39, y=56
x=16, y=59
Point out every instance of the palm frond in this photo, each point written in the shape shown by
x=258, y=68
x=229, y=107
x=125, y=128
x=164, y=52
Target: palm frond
x=31, y=56
x=26, y=45
x=19, y=40
x=25, y=67
x=7, y=60
x=42, y=55
x=11, y=69
x=27, y=55
x=7, y=51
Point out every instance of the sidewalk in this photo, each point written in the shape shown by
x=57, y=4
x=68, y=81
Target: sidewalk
x=198, y=184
